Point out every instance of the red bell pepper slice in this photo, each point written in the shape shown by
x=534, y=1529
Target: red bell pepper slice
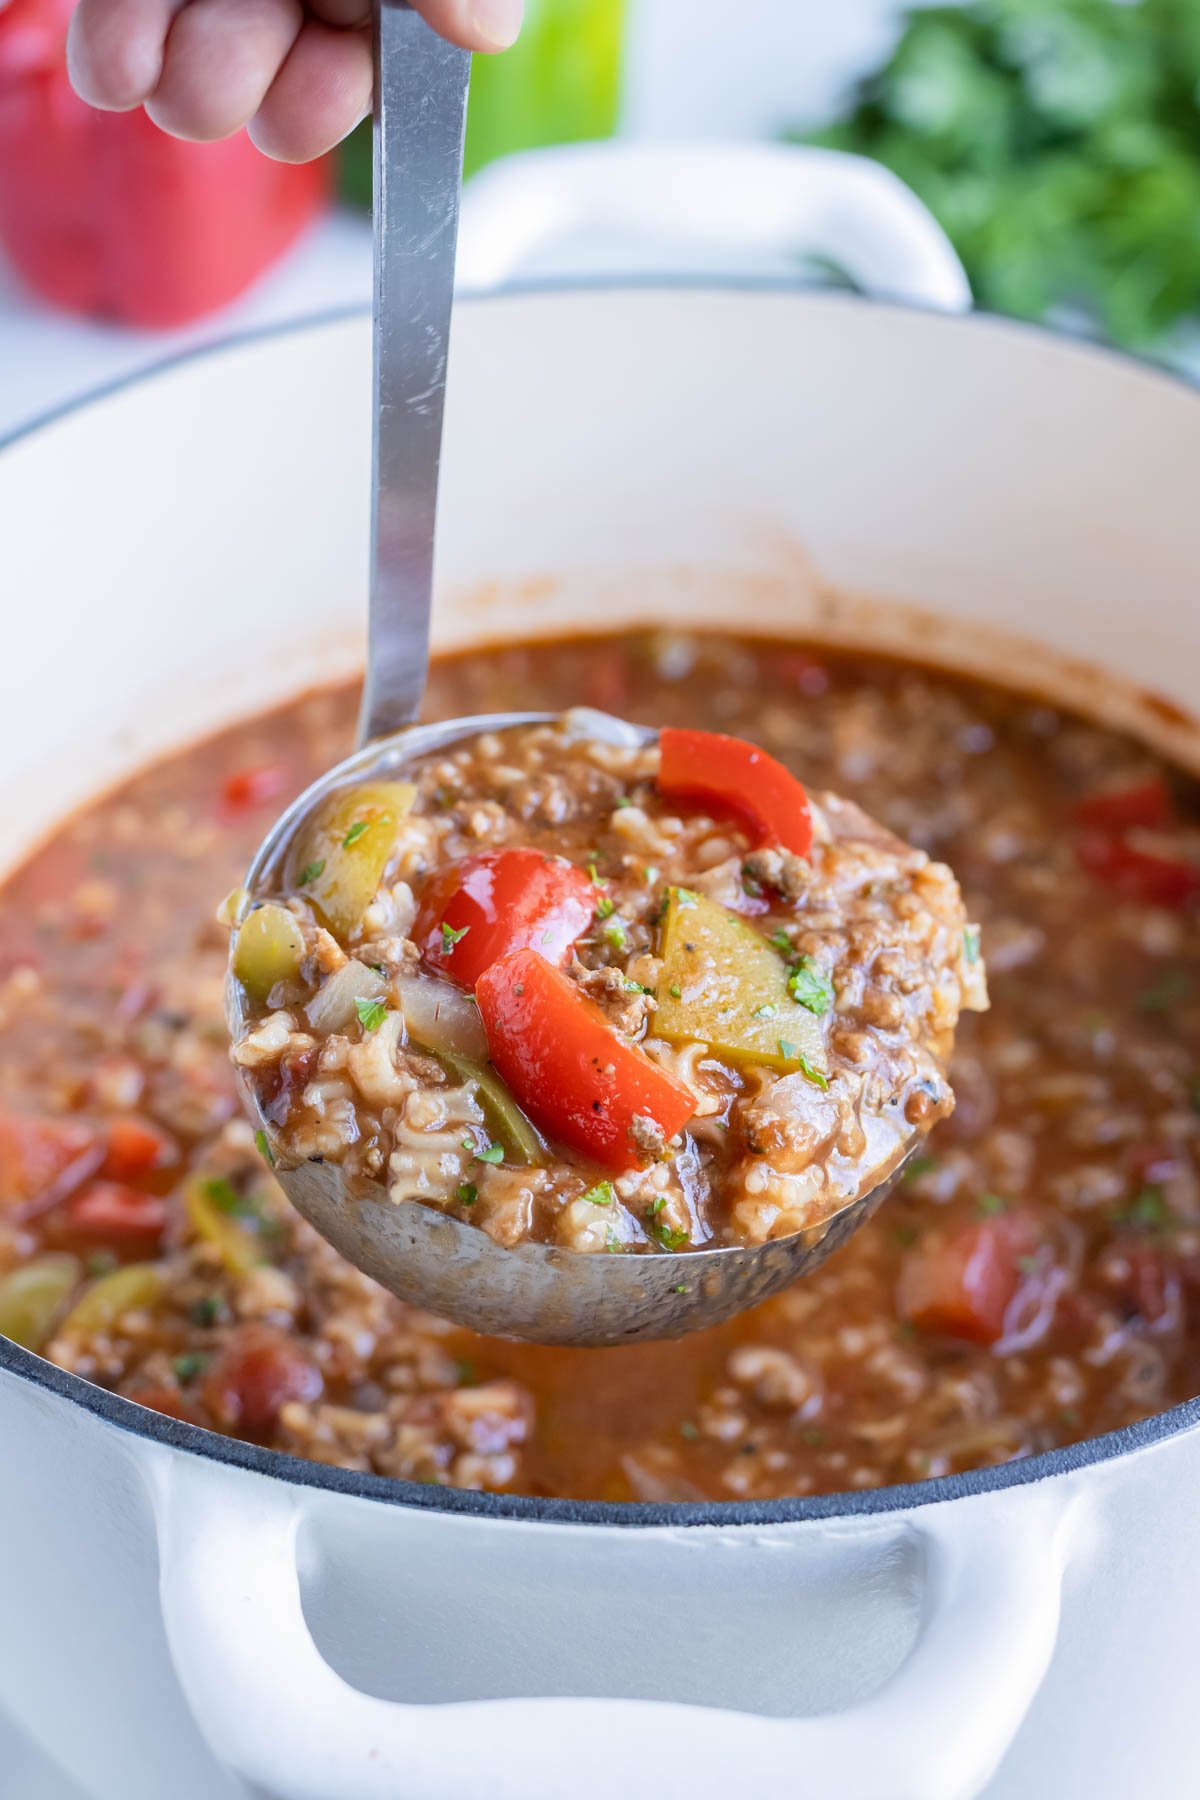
x=1145, y=803
x=41, y=1160
x=733, y=776
x=1157, y=869
x=108, y=1212
x=135, y=1147
x=254, y=786
x=475, y=911
x=568, y=1069
x=963, y=1282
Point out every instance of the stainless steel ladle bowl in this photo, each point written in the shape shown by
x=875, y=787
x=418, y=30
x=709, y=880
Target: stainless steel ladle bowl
x=535, y=1291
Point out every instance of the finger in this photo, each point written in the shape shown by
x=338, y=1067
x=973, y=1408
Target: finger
x=221, y=57
x=320, y=94
x=348, y=14
x=115, y=50
x=474, y=24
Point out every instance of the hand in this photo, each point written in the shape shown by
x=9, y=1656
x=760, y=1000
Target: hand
x=296, y=72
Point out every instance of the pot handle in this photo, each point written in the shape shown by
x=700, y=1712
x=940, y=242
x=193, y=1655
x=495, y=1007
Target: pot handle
x=749, y=202
x=279, y=1716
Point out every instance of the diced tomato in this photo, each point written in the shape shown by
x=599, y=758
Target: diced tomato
x=257, y=1372
x=805, y=674
x=107, y=1212
x=962, y=1282
x=735, y=777
x=135, y=1148
x=1145, y=803
x=42, y=1159
x=1157, y=869
x=247, y=788
x=568, y=1069
x=475, y=911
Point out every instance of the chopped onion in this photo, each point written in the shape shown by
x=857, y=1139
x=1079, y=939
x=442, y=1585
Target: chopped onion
x=440, y=1017
x=332, y=1007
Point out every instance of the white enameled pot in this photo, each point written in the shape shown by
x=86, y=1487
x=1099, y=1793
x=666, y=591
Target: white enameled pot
x=189, y=1617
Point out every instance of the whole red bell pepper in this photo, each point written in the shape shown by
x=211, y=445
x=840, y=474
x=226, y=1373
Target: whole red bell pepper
x=103, y=214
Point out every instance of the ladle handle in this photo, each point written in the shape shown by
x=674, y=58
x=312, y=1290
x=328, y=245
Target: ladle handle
x=420, y=117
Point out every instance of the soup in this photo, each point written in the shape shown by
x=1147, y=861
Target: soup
x=1034, y=1281
x=539, y=987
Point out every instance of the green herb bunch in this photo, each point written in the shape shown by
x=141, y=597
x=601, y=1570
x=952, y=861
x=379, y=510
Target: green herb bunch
x=1058, y=142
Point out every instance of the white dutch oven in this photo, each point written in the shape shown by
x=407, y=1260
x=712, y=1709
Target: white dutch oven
x=180, y=1611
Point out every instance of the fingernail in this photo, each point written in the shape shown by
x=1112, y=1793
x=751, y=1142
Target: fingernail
x=498, y=21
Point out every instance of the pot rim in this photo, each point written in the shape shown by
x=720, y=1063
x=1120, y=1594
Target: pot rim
x=176, y=1434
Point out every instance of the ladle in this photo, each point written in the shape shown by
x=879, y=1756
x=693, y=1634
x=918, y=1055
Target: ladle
x=536, y=1291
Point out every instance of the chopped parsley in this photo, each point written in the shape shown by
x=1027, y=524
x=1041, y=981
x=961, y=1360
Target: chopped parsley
x=600, y=1195
x=450, y=937
x=264, y=1148
x=209, y=1310
x=779, y=940
x=681, y=1287
x=787, y=1050
x=371, y=1013
x=1172, y=986
x=991, y=1204
x=676, y=993
x=467, y=1192
x=612, y=1241
x=814, y=1074
x=623, y=802
x=655, y=1206
x=493, y=1153
x=224, y=1196
x=750, y=883
x=615, y=934
x=766, y=1011
x=605, y=908
x=971, y=943
x=597, y=878
x=354, y=833
x=685, y=897
x=650, y=873
x=668, y=1236
x=310, y=871
x=189, y=1365
x=811, y=986
x=1148, y=1212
